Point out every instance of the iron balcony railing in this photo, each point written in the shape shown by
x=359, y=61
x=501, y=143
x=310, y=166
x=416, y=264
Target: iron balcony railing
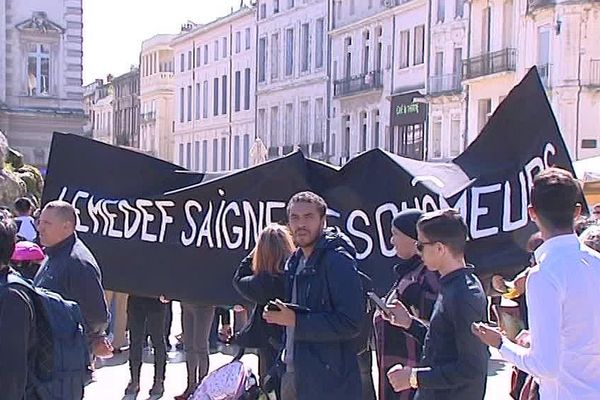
x=442, y=84
x=359, y=83
x=594, y=78
x=490, y=63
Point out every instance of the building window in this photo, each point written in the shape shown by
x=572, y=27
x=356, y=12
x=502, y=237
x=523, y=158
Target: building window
x=404, y=49
x=225, y=48
x=274, y=131
x=319, y=40
x=181, y=104
x=205, y=54
x=182, y=62
x=224, y=98
x=190, y=60
x=457, y=67
x=305, y=47
x=289, y=124
x=236, y=152
x=205, y=100
x=198, y=56
x=376, y=129
x=38, y=70
x=289, y=51
x=366, y=53
x=352, y=7
x=438, y=69
x=248, y=38
x=346, y=137
x=224, y=154
x=459, y=6
x=455, y=137
x=189, y=103
x=275, y=6
x=263, y=11
x=238, y=89
x=247, y=84
x=238, y=42
x=484, y=110
x=436, y=139
x=441, y=10
x=216, y=55
x=197, y=156
x=216, y=97
x=319, y=120
x=304, y=121
x=275, y=56
x=215, y=155
x=543, y=54
x=363, y=131
x=181, y=155
x=204, y=155
x=246, y=151
x=198, y=95
x=419, y=51
x=261, y=123
x=188, y=159
x=262, y=59
x=290, y=4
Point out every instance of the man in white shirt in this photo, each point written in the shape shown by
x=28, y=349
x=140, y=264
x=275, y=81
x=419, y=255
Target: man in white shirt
x=562, y=349
x=25, y=222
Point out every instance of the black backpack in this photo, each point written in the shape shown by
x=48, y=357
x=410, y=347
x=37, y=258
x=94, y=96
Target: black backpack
x=59, y=366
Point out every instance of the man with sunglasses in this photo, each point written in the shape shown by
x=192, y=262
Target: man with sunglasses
x=454, y=362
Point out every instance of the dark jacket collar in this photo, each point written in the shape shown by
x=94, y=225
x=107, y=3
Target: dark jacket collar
x=446, y=279
x=406, y=266
x=61, y=247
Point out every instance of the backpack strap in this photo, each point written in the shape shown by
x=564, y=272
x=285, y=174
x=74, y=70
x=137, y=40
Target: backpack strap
x=24, y=289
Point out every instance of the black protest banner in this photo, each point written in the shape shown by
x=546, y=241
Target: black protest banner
x=157, y=229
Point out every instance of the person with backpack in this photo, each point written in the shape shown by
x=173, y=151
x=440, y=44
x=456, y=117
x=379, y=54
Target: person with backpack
x=259, y=279
x=16, y=323
x=415, y=286
x=72, y=271
x=44, y=354
x=323, y=284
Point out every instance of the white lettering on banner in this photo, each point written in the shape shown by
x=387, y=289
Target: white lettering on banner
x=223, y=224
x=361, y=235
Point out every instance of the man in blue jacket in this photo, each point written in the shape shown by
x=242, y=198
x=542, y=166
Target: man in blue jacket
x=320, y=355
x=71, y=270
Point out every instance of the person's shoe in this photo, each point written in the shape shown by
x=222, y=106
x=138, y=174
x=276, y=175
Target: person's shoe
x=133, y=388
x=158, y=389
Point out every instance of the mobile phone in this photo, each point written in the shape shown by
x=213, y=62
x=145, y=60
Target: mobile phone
x=379, y=303
x=272, y=306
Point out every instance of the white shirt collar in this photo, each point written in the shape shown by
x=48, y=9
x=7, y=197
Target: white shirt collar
x=554, y=244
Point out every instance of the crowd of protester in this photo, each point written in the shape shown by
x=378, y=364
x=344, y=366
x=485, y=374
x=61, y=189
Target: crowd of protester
x=310, y=317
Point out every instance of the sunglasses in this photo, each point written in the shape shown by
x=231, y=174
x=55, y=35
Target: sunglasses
x=421, y=245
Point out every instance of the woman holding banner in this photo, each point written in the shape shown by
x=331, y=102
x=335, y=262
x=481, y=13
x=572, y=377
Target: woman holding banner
x=259, y=279
x=418, y=288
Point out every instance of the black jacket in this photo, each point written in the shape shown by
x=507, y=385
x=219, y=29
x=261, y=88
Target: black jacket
x=259, y=289
x=325, y=361
x=457, y=359
x=72, y=271
x=16, y=339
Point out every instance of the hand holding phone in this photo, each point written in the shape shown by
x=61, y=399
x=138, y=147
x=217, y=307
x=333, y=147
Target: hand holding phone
x=380, y=305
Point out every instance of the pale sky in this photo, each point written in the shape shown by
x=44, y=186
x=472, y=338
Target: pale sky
x=113, y=30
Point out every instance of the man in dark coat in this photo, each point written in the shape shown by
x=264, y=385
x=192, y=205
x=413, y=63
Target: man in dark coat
x=72, y=271
x=320, y=352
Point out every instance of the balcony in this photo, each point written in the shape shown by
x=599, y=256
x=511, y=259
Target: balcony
x=358, y=84
x=489, y=63
x=594, y=76
x=445, y=84
x=148, y=117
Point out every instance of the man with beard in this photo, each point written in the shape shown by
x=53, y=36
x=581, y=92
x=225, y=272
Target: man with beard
x=321, y=276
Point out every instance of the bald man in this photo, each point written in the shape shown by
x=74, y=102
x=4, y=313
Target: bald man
x=71, y=270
